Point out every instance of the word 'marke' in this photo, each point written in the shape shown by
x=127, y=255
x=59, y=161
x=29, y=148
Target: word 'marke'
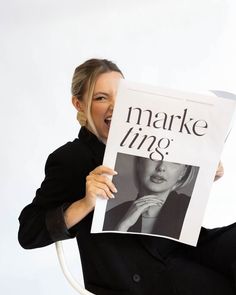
x=175, y=122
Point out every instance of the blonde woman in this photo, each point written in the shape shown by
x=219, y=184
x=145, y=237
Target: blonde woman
x=115, y=263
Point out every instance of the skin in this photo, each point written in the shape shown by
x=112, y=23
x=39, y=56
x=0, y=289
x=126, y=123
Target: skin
x=219, y=171
x=103, y=102
x=98, y=182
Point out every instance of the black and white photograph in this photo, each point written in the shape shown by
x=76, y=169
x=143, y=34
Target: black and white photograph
x=153, y=196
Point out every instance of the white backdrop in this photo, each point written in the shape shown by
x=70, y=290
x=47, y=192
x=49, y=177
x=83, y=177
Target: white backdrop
x=181, y=44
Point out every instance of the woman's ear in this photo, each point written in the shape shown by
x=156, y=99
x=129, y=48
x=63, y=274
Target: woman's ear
x=79, y=105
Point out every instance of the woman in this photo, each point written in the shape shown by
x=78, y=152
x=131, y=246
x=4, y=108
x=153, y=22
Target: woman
x=115, y=264
x=158, y=208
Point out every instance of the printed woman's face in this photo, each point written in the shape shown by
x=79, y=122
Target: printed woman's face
x=158, y=176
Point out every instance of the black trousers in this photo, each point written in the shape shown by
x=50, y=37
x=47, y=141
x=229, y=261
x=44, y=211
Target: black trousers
x=209, y=268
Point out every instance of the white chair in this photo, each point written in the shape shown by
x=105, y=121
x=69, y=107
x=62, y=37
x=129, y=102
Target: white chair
x=66, y=272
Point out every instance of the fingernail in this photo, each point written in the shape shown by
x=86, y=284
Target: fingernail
x=115, y=190
x=112, y=196
x=115, y=172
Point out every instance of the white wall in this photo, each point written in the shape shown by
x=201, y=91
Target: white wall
x=181, y=44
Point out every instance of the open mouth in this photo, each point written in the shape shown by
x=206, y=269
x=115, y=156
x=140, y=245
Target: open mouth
x=108, y=121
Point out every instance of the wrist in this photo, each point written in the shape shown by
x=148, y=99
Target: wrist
x=76, y=212
x=122, y=226
x=87, y=204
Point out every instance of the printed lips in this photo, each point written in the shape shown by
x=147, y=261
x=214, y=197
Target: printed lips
x=157, y=178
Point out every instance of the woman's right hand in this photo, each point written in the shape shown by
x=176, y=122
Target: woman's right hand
x=98, y=184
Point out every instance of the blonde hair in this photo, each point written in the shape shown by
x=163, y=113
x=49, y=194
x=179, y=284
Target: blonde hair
x=189, y=175
x=83, y=82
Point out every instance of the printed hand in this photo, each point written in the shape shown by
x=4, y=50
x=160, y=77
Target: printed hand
x=137, y=208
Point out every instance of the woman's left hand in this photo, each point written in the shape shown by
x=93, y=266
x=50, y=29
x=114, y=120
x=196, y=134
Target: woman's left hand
x=219, y=171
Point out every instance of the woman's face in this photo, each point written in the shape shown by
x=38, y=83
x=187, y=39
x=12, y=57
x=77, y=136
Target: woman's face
x=158, y=176
x=103, y=102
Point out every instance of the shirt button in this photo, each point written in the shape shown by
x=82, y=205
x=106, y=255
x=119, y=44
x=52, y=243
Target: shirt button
x=136, y=278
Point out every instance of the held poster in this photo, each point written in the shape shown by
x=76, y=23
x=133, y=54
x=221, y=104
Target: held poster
x=165, y=145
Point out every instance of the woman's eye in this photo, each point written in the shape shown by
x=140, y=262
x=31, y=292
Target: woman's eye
x=100, y=98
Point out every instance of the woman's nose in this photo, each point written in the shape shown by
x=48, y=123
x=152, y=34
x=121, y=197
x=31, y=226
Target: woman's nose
x=111, y=107
x=112, y=103
x=160, y=166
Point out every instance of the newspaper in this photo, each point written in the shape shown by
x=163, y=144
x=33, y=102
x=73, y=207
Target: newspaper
x=165, y=145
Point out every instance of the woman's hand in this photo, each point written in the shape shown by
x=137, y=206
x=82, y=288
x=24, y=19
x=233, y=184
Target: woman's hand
x=219, y=171
x=99, y=184
x=137, y=208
